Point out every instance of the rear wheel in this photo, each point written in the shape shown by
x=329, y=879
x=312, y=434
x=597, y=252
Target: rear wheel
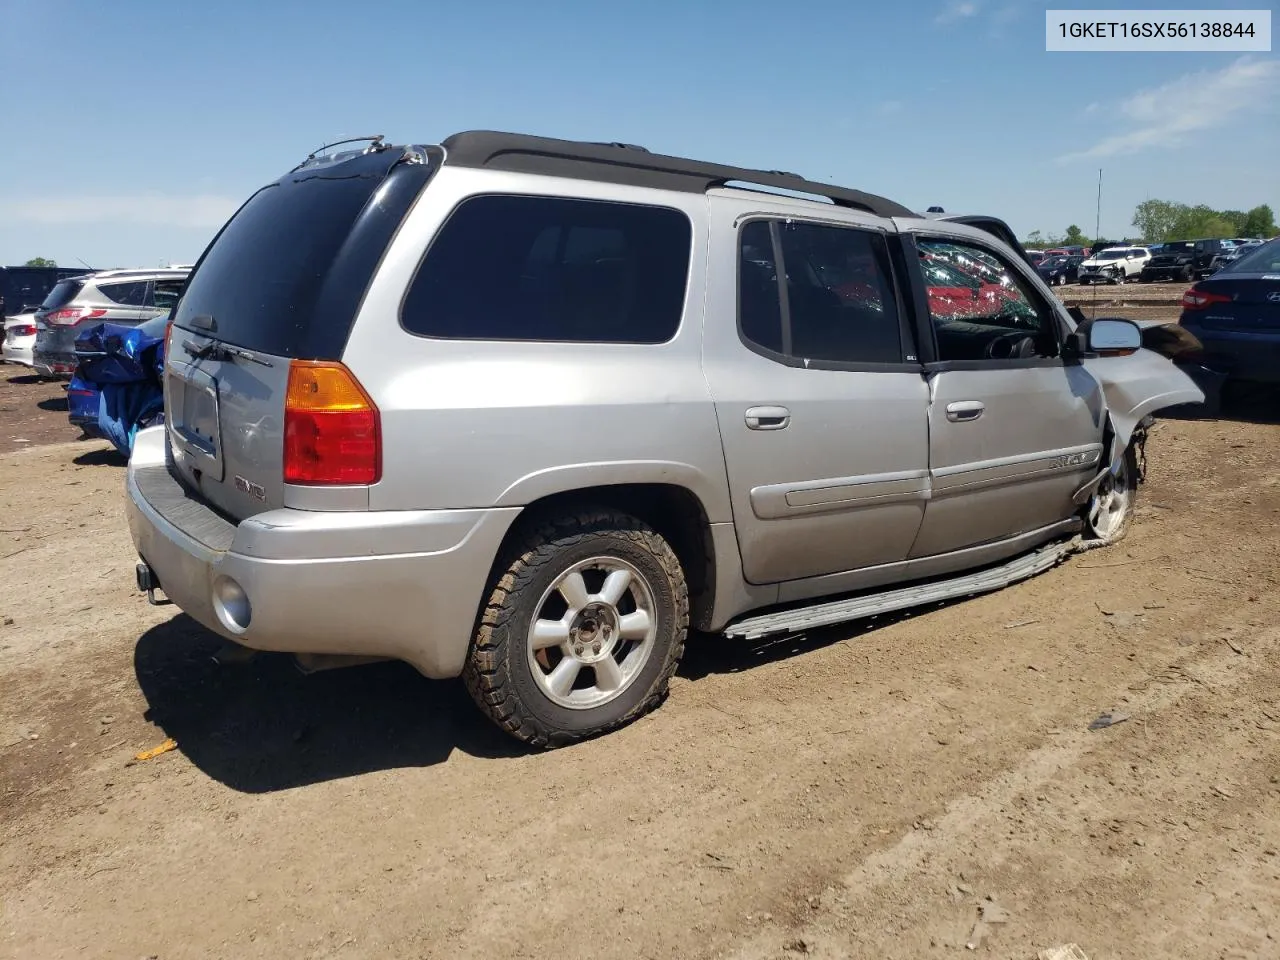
x=582, y=630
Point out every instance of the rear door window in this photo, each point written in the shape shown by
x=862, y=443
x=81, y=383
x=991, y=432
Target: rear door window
x=841, y=304
x=553, y=269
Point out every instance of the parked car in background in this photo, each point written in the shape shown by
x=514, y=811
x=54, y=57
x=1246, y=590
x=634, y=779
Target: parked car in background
x=1035, y=257
x=509, y=416
x=1241, y=248
x=124, y=297
x=1235, y=314
x=1114, y=265
x=20, y=338
x=116, y=389
x=25, y=288
x=1061, y=269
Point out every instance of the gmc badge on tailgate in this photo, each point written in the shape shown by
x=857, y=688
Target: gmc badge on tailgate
x=255, y=490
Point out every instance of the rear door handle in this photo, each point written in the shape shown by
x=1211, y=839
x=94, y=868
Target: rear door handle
x=963, y=410
x=768, y=418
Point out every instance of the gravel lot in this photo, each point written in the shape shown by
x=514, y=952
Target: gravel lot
x=860, y=791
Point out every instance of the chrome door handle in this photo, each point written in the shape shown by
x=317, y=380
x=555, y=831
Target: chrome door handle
x=768, y=418
x=963, y=410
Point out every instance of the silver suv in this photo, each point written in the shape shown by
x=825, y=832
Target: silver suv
x=527, y=411
x=127, y=297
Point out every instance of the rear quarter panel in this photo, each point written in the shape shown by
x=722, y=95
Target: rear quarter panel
x=470, y=423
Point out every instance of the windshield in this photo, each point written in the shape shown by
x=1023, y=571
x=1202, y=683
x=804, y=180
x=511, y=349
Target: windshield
x=1182, y=247
x=1056, y=262
x=1111, y=255
x=1260, y=259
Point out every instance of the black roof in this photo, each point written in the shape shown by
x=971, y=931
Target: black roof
x=635, y=166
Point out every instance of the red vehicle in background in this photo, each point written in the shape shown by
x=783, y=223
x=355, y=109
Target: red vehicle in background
x=956, y=293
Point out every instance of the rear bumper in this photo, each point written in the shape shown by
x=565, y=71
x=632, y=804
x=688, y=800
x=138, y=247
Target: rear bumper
x=401, y=584
x=17, y=354
x=1239, y=354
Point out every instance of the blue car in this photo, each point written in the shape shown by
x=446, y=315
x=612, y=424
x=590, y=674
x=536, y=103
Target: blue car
x=118, y=388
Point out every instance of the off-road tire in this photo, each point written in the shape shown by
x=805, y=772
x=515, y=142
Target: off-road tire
x=497, y=673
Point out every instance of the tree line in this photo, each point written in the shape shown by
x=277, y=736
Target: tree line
x=1159, y=221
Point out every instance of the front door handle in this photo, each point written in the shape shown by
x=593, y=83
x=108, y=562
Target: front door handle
x=963, y=410
x=768, y=418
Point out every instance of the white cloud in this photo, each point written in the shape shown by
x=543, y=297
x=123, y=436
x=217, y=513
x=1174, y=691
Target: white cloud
x=1166, y=116
x=152, y=209
x=954, y=10
x=890, y=107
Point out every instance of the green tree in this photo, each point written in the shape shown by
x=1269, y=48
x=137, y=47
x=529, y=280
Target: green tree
x=1039, y=240
x=1259, y=222
x=1074, y=237
x=1155, y=219
x=41, y=262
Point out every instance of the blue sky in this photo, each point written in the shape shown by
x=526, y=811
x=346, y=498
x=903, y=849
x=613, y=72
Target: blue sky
x=134, y=128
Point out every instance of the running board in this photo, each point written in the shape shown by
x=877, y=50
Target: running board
x=869, y=605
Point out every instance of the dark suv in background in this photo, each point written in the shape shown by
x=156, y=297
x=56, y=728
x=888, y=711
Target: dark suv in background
x=1186, y=260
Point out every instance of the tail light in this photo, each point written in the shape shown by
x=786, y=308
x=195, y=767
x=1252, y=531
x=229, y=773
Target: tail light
x=23, y=330
x=332, y=430
x=70, y=316
x=1196, y=299
x=168, y=338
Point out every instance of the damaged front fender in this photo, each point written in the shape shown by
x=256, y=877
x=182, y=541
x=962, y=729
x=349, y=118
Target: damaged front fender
x=1134, y=387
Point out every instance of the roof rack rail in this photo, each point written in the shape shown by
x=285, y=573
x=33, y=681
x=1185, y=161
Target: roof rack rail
x=635, y=166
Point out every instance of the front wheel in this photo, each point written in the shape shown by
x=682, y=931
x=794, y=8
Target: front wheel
x=582, y=629
x=1110, y=509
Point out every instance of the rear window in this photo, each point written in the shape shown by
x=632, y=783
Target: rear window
x=287, y=273
x=63, y=293
x=553, y=269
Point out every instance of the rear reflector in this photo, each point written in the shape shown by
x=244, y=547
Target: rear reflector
x=332, y=431
x=1197, y=299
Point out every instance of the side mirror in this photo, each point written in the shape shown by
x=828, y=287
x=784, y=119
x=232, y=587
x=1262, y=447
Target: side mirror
x=1114, y=337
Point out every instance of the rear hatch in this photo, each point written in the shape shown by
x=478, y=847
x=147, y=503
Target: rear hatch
x=282, y=281
x=57, y=318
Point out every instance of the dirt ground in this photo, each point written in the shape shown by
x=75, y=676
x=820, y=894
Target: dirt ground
x=866, y=791
x=32, y=411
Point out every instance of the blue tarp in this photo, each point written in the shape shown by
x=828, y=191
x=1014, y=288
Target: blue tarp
x=125, y=366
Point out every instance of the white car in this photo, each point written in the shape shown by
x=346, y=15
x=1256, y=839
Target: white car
x=1114, y=264
x=20, y=338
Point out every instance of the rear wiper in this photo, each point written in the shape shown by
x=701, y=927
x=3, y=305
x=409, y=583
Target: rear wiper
x=221, y=351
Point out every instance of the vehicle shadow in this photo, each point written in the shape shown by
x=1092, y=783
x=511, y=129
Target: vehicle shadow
x=262, y=726
x=55, y=404
x=25, y=378
x=108, y=457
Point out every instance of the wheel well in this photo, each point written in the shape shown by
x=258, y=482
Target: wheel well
x=674, y=512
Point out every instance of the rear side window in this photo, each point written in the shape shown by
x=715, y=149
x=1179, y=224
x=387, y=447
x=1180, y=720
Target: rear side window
x=840, y=304
x=132, y=294
x=553, y=269
x=286, y=275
